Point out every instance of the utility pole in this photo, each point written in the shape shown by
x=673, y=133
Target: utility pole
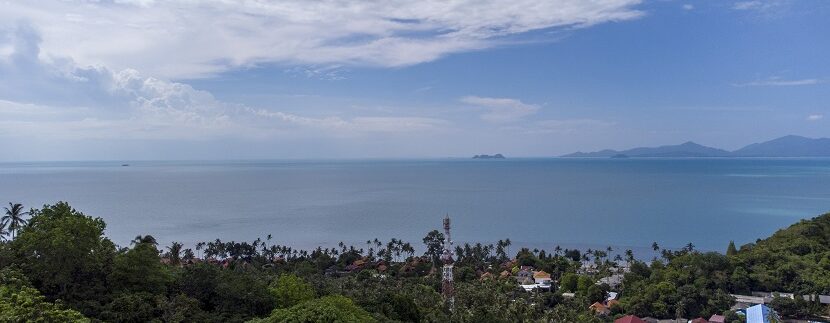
x=447, y=289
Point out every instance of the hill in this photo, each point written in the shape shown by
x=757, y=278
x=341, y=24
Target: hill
x=688, y=149
x=787, y=146
x=794, y=259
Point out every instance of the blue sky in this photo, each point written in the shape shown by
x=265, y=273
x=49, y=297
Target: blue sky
x=345, y=79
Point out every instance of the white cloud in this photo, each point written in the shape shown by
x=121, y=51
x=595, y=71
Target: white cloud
x=747, y=5
x=688, y=7
x=57, y=98
x=777, y=81
x=765, y=9
x=566, y=126
x=501, y=110
x=815, y=117
x=181, y=38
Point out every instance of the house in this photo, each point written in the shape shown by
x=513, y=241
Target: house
x=588, y=268
x=614, y=281
x=504, y=274
x=745, y=301
x=356, y=265
x=629, y=319
x=611, y=303
x=699, y=320
x=541, y=278
x=486, y=276
x=525, y=277
x=823, y=299
x=650, y=319
x=600, y=308
x=717, y=319
x=761, y=314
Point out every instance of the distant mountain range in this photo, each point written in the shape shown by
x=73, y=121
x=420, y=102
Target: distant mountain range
x=787, y=146
x=496, y=156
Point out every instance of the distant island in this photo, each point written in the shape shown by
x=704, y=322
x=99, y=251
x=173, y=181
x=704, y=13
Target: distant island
x=787, y=146
x=496, y=156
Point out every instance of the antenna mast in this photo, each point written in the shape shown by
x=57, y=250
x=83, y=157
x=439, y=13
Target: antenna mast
x=447, y=289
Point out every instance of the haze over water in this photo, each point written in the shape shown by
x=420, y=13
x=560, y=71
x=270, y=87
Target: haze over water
x=534, y=202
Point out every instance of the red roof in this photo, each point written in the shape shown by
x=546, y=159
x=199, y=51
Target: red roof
x=629, y=319
x=700, y=320
x=717, y=318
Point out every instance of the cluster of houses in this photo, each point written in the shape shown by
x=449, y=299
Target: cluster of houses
x=754, y=314
x=752, y=308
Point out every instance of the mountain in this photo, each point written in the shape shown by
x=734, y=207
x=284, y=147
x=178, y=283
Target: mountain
x=496, y=156
x=787, y=146
x=688, y=149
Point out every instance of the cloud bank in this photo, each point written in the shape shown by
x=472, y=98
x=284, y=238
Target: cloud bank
x=59, y=99
x=186, y=39
x=501, y=110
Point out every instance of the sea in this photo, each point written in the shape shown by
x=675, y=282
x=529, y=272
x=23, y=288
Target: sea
x=535, y=202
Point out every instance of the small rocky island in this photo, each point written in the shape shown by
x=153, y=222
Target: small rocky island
x=496, y=156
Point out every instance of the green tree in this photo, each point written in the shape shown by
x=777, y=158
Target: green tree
x=568, y=282
x=66, y=256
x=174, y=252
x=199, y=281
x=583, y=283
x=140, y=270
x=241, y=295
x=731, y=250
x=332, y=308
x=130, y=307
x=19, y=302
x=289, y=290
x=434, y=241
x=13, y=218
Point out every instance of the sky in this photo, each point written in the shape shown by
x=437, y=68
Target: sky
x=211, y=79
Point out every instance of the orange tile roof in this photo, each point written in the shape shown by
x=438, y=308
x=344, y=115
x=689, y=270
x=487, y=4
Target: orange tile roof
x=597, y=306
x=541, y=274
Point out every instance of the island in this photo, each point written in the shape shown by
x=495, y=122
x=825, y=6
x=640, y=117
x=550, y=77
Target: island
x=787, y=146
x=496, y=156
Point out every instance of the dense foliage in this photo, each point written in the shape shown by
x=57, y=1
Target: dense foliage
x=74, y=273
x=19, y=302
x=795, y=259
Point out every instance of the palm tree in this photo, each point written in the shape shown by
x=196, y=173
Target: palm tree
x=3, y=233
x=14, y=218
x=174, y=252
x=199, y=246
x=144, y=239
x=507, y=244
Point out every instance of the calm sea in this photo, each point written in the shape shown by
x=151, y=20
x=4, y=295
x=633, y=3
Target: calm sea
x=626, y=203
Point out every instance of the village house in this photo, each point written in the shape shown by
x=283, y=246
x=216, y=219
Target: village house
x=542, y=278
x=629, y=319
x=600, y=309
x=761, y=314
x=717, y=318
x=525, y=277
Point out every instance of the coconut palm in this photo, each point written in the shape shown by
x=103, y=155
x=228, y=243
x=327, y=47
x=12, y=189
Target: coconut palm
x=14, y=218
x=144, y=239
x=174, y=252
